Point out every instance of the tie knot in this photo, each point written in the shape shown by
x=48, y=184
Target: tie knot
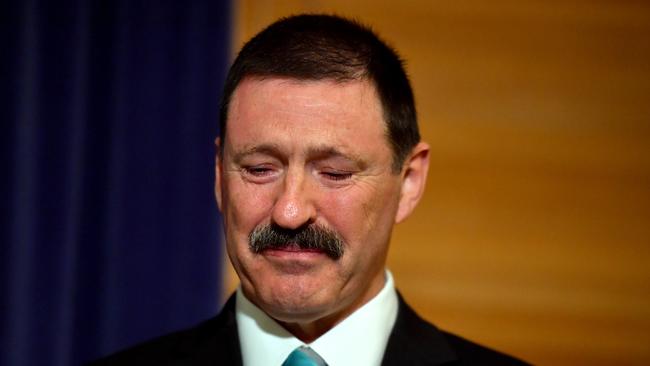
x=304, y=356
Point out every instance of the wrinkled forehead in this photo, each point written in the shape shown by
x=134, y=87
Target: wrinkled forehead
x=260, y=101
x=274, y=88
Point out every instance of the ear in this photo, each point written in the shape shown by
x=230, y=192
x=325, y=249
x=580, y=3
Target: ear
x=218, y=169
x=414, y=179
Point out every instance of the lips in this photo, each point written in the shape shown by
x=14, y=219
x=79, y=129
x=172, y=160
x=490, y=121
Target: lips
x=293, y=248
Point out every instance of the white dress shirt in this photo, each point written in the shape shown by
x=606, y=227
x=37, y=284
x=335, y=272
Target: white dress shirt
x=360, y=339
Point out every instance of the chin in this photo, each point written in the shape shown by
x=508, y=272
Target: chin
x=298, y=315
x=297, y=304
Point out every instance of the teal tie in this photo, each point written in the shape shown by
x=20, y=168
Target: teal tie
x=304, y=356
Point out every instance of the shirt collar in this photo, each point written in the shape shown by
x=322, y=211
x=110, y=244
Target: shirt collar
x=360, y=339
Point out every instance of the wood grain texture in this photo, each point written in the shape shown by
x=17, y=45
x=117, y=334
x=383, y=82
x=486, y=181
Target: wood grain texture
x=534, y=233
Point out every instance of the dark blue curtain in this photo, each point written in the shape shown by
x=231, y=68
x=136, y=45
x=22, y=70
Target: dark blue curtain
x=109, y=231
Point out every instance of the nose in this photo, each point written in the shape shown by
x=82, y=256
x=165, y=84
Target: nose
x=294, y=206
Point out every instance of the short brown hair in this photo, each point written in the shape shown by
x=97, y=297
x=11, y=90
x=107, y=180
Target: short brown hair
x=317, y=47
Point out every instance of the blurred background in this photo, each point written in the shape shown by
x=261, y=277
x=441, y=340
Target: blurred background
x=533, y=236
x=109, y=231
x=534, y=233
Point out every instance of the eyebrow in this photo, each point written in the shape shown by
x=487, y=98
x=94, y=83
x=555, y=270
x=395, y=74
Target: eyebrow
x=325, y=152
x=267, y=149
x=313, y=153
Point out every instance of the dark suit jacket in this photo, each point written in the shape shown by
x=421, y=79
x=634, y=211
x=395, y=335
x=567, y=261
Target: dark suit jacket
x=413, y=341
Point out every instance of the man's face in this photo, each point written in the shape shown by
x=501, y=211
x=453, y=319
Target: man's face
x=299, y=154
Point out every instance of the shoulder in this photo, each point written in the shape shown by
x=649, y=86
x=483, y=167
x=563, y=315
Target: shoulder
x=471, y=353
x=421, y=343
x=214, y=342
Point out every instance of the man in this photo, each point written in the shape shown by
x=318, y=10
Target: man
x=319, y=156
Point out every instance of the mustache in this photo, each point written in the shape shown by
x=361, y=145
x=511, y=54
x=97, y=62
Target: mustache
x=311, y=237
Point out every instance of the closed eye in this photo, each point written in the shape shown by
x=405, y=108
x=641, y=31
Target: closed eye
x=258, y=171
x=337, y=175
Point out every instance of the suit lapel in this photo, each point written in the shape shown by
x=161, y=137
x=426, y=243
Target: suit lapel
x=216, y=342
x=413, y=341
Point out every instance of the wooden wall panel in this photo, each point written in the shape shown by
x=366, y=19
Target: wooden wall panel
x=534, y=234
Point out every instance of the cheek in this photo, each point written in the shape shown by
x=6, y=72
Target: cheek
x=357, y=214
x=246, y=206
x=339, y=209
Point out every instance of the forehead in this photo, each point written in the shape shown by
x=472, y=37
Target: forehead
x=326, y=110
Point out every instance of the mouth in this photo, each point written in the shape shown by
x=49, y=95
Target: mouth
x=292, y=250
x=295, y=261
